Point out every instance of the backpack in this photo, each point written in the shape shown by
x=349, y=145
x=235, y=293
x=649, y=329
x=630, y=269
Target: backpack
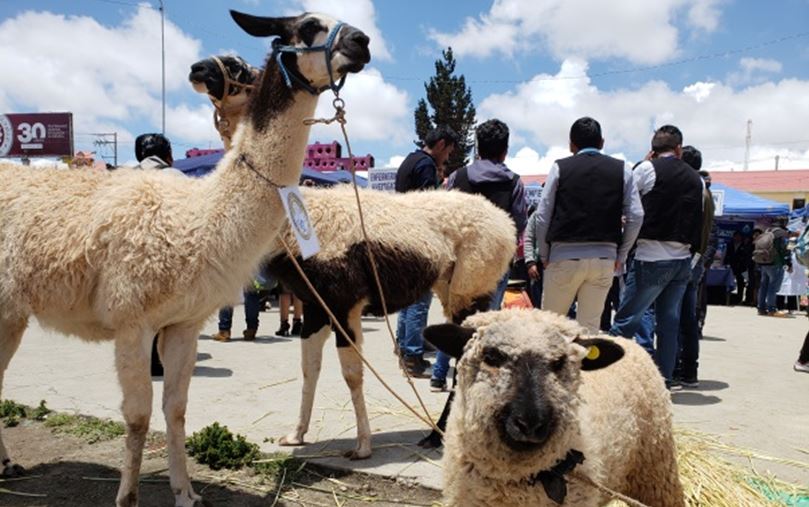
x=802, y=248
x=764, y=248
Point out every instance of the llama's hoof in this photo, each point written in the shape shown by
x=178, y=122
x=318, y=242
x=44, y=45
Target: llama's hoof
x=290, y=440
x=431, y=441
x=357, y=454
x=12, y=470
x=188, y=499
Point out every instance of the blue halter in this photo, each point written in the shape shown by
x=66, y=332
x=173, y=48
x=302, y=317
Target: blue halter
x=278, y=50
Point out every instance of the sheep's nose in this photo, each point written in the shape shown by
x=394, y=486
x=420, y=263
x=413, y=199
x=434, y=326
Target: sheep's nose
x=532, y=429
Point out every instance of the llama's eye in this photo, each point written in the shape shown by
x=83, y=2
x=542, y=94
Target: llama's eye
x=494, y=357
x=309, y=30
x=558, y=364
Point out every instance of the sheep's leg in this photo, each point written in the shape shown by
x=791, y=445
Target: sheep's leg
x=311, y=360
x=132, y=359
x=10, y=335
x=178, y=352
x=352, y=373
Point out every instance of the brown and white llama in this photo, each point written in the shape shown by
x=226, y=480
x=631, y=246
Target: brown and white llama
x=123, y=255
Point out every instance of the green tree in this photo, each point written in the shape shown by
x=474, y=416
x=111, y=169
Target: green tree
x=450, y=101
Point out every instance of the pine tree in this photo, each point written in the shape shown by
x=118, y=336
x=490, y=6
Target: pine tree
x=451, y=103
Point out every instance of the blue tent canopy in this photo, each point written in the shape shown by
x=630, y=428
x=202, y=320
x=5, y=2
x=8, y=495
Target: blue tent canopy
x=345, y=177
x=200, y=166
x=745, y=205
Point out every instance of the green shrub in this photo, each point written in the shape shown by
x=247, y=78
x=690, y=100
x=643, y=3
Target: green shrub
x=218, y=448
x=11, y=413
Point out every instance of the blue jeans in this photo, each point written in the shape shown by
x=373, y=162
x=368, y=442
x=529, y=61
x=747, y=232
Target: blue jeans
x=499, y=293
x=252, y=305
x=661, y=284
x=690, y=332
x=440, y=366
x=645, y=336
x=771, y=278
x=412, y=321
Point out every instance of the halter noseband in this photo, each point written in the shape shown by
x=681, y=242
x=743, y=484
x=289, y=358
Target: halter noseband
x=279, y=49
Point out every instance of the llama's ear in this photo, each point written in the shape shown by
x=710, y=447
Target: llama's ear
x=599, y=352
x=259, y=26
x=449, y=338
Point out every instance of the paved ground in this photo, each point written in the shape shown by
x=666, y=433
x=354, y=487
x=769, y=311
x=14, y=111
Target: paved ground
x=749, y=394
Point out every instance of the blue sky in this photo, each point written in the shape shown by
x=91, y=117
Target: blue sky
x=705, y=65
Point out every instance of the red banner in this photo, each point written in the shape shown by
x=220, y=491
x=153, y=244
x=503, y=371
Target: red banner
x=36, y=135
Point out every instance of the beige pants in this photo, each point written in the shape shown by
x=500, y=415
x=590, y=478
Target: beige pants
x=589, y=280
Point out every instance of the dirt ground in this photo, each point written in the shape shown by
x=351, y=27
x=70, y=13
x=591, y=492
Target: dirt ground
x=72, y=473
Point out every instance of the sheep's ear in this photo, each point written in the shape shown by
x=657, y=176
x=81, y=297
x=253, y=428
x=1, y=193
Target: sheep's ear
x=449, y=338
x=600, y=352
x=259, y=26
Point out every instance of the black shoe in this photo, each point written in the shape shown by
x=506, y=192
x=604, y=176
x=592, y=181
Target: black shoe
x=283, y=330
x=689, y=382
x=297, y=327
x=415, y=366
x=438, y=385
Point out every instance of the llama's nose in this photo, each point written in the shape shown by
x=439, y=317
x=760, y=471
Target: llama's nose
x=359, y=38
x=355, y=43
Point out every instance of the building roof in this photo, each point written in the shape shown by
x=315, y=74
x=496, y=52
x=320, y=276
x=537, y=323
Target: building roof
x=765, y=181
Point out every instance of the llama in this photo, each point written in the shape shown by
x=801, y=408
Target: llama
x=455, y=243
x=123, y=255
x=535, y=396
x=228, y=81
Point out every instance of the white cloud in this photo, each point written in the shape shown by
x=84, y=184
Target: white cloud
x=394, y=161
x=713, y=116
x=359, y=13
x=754, y=70
x=641, y=32
x=375, y=111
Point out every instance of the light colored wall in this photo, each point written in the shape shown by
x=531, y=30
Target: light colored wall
x=784, y=197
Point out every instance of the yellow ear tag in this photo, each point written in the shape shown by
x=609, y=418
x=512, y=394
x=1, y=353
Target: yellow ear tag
x=593, y=353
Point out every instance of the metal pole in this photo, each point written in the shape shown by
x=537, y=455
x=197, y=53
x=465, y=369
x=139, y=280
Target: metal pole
x=163, y=60
x=747, y=143
x=115, y=147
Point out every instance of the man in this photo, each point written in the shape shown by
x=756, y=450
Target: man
x=421, y=170
x=579, y=227
x=690, y=331
x=489, y=177
x=738, y=259
x=153, y=151
x=671, y=194
x=771, y=255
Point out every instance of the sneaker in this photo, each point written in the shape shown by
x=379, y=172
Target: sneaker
x=249, y=334
x=415, y=366
x=222, y=336
x=762, y=312
x=438, y=385
x=297, y=327
x=802, y=367
x=689, y=383
x=283, y=330
x=779, y=314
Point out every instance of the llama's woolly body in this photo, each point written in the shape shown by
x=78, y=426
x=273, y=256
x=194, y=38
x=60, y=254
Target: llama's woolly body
x=620, y=419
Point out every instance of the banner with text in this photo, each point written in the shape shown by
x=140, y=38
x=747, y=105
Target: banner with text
x=383, y=178
x=36, y=135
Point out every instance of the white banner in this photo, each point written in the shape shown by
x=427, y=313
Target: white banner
x=382, y=178
x=718, y=202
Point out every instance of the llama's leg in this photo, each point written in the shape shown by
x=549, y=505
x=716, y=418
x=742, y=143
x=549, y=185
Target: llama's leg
x=352, y=373
x=311, y=359
x=178, y=352
x=10, y=335
x=133, y=351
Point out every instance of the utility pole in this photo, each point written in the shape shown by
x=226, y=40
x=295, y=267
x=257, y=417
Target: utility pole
x=103, y=141
x=777, y=159
x=163, y=60
x=747, y=144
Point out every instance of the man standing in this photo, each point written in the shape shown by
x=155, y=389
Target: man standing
x=771, y=255
x=489, y=177
x=671, y=194
x=579, y=227
x=421, y=170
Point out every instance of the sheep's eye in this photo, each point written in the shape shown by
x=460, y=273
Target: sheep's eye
x=309, y=30
x=558, y=364
x=494, y=357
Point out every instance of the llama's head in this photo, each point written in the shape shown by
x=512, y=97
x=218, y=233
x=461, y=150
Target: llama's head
x=207, y=76
x=315, y=49
x=519, y=373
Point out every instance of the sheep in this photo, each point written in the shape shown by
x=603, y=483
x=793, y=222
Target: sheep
x=532, y=394
x=457, y=244
x=123, y=255
x=228, y=81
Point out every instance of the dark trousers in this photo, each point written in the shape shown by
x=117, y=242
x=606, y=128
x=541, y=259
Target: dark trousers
x=610, y=304
x=804, y=357
x=690, y=332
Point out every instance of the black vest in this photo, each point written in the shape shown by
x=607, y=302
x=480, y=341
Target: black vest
x=673, y=208
x=589, y=200
x=498, y=192
x=404, y=176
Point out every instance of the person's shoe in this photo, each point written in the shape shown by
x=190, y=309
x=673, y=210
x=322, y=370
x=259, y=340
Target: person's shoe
x=297, y=327
x=762, y=312
x=283, y=330
x=689, y=383
x=222, y=336
x=778, y=313
x=249, y=334
x=438, y=385
x=415, y=366
x=802, y=367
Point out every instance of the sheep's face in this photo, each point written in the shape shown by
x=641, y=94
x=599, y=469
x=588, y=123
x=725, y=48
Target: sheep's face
x=519, y=376
x=349, y=49
x=206, y=76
